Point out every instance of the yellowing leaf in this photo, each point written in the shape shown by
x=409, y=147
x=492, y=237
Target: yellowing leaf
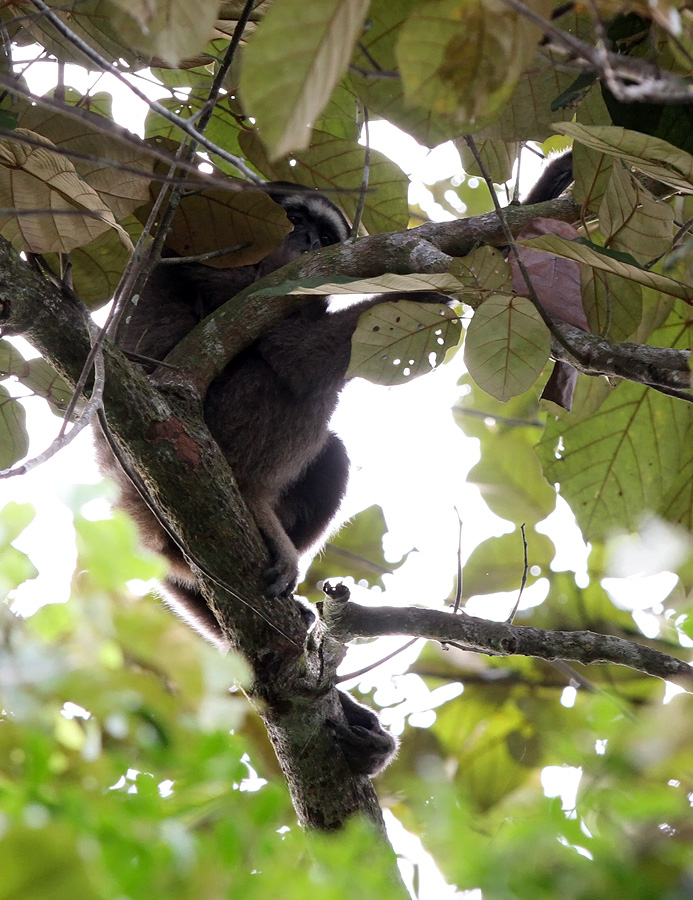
x=385, y=284
x=56, y=209
x=249, y=221
x=321, y=35
x=168, y=29
x=463, y=59
x=394, y=342
x=98, y=137
x=506, y=346
x=654, y=157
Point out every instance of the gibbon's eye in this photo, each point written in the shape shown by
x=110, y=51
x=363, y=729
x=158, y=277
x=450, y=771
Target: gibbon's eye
x=294, y=219
x=327, y=239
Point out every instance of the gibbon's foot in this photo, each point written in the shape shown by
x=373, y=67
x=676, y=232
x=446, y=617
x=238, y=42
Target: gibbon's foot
x=281, y=579
x=367, y=747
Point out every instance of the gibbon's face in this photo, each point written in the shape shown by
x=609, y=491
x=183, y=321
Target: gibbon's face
x=316, y=220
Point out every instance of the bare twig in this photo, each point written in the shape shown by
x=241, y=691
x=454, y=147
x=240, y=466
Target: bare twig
x=93, y=405
x=364, y=176
x=628, y=79
x=458, y=589
x=366, y=669
x=525, y=570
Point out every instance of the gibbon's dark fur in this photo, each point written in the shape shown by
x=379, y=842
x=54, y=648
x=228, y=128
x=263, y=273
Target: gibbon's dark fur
x=268, y=410
x=556, y=178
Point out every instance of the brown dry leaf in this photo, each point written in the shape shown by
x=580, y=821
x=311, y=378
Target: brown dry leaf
x=556, y=281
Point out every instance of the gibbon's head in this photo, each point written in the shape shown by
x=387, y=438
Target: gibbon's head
x=317, y=221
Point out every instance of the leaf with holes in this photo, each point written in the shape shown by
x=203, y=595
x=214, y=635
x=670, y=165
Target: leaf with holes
x=507, y=345
x=395, y=342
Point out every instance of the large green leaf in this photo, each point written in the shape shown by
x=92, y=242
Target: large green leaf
x=630, y=458
x=507, y=345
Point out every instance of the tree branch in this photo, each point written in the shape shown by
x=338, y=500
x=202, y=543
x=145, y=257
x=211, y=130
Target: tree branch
x=191, y=483
x=662, y=366
x=346, y=620
x=428, y=249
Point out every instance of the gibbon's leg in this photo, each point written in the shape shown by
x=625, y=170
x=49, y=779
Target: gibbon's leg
x=368, y=748
x=189, y=604
x=309, y=505
x=282, y=574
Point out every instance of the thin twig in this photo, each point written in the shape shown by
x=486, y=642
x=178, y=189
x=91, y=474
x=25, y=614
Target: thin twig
x=458, y=590
x=640, y=80
x=201, y=257
x=365, y=175
x=93, y=405
x=380, y=662
x=525, y=570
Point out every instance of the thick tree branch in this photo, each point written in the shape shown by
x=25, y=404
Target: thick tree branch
x=428, y=249
x=346, y=620
x=637, y=362
x=191, y=483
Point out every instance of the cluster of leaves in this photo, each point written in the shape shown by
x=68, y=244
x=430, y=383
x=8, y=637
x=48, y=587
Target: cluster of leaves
x=116, y=758
x=148, y=794
x=90, y=187
x=72, y=183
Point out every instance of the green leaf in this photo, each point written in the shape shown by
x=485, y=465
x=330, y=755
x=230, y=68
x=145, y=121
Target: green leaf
x=497, y=563
x=36, y=375
x=97, y=267
x=632, y=220
x=335, y=166
x=376, y=53
x=14, y=438
x=168, y=29
x=356, y=551
x=613, y=305
x=629, y=458
x=511, y=480
x=321, y=35
x=14, y=518
x=507, y=345
x=650, y=155
x=462, y=60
